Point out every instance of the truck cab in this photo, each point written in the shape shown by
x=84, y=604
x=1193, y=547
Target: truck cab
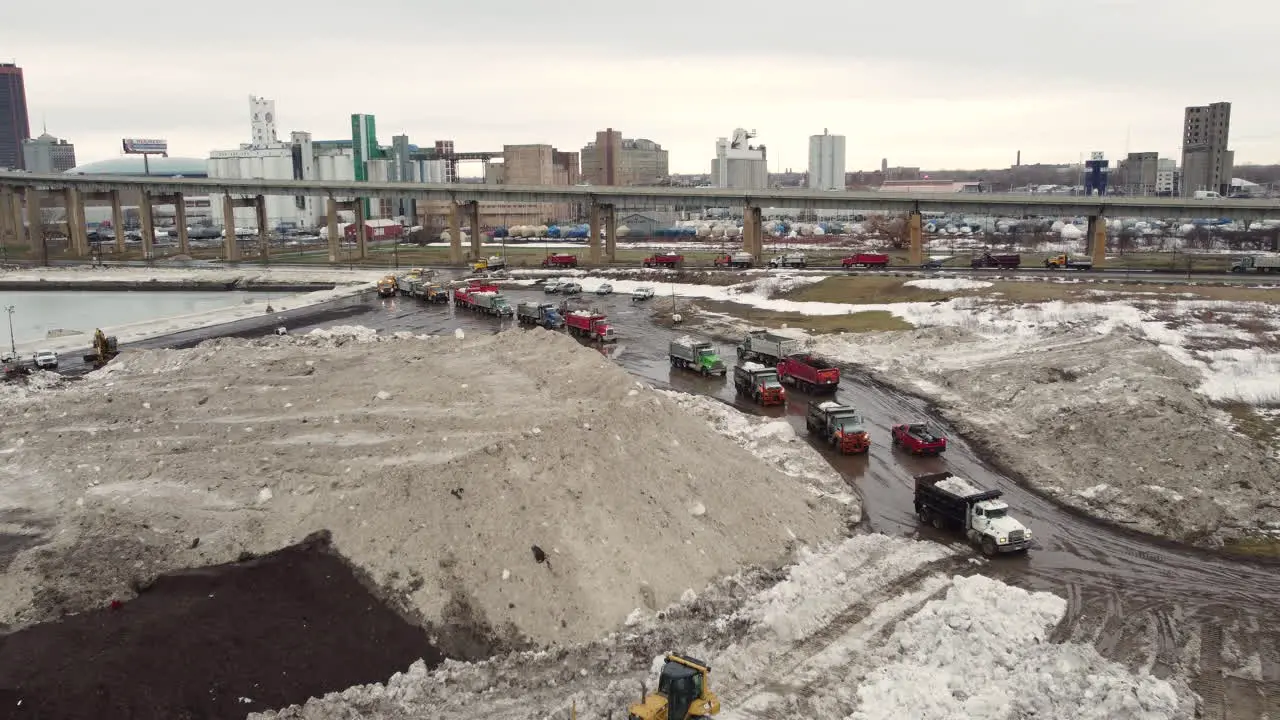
x=700, y=356
x=791, y=260
x=841, y=426
x=760, y=383
x=1066, y=262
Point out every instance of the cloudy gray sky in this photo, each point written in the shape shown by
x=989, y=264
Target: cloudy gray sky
x=936, y=83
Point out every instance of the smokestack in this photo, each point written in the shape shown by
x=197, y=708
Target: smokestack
x=1018, y=162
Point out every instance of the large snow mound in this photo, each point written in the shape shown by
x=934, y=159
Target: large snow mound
x=438, y=465
x=947, y=284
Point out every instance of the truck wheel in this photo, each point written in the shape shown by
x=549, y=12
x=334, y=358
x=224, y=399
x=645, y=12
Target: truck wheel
x=988, y=546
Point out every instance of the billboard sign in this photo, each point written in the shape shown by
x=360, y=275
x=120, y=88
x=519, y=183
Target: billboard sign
x=141, y=146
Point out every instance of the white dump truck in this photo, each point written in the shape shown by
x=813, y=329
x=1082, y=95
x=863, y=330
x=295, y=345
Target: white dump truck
x=946, y=501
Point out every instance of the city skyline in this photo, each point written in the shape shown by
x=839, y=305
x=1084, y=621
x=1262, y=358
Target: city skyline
x=970, y=96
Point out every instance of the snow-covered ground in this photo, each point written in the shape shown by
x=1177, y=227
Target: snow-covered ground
x=347, y=282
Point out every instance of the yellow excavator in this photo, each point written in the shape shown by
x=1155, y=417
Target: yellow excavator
x=683, y=692
x=105, y=348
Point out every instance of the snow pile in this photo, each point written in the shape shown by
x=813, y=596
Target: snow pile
x=339, y=335
x=983, y=652
x=437, y=467
x=957, y=486
x=37, y=382
x=948, y=284
x=773, y=441
x=871, y=627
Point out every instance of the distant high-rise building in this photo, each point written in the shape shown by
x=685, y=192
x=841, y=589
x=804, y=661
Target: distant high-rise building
x=1207, y=164
x=738, y=164
x=47, y=154
x=826, y=161
x=14, y=127
x=614, y=160
x=1168, y=178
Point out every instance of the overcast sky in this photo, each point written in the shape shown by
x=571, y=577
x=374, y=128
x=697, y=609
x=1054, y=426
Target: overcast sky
x=934, y=83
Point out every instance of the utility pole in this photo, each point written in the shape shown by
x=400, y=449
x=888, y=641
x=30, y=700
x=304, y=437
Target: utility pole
x=13, y=346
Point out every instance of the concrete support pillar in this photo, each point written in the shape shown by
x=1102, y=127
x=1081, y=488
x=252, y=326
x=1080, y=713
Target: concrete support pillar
x=593, y=242
x=611, y=233
x=180, y=221
x=7, y=232
x=362, y=230
x=232, y=244
x=473, y=217
x=455, y=235
x=1098, y=239
x=76, y=230
x=334, y=240
x=264, y=228
x=753, y=227
x=148, y=226
x=117, y=221
x=915, y=253
x=35, y=226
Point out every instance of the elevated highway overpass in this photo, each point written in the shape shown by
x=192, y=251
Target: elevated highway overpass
x=17, y=191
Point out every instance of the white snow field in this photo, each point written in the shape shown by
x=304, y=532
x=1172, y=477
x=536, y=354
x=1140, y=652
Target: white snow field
x=872, y=627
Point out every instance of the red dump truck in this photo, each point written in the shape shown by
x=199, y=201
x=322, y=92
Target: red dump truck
x=560, y=261
x=589, y=324
x=663, y=260
x=809, y=373
x=462, y=296
x=866, y=260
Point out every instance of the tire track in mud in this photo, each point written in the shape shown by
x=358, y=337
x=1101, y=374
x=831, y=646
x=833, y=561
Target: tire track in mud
x=1210, y=683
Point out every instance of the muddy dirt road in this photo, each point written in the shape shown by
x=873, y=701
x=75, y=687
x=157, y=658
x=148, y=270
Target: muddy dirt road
x=1144, y=602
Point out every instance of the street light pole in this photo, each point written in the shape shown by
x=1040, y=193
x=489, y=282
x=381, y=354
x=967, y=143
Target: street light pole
x=13, y=346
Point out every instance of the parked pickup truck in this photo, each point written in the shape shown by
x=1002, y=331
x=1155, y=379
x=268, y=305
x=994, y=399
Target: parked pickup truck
x=946, y=501
x=544, y=314
x=867, y=260
x=560, y=261
x=839, y=425
x=760, y=383
x=698, y=355
x=736, y=260
x=1261, y=263
x=589, y=324
x=808, y=372
x=987, y=260
x=789, y=260
x=763, y=346
x=663, y=260
x=1065, y=262
x=919, y=438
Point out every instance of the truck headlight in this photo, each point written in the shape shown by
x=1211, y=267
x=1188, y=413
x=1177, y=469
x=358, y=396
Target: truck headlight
x=1002, y=540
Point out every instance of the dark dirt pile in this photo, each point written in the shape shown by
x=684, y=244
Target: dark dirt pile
x=214, y=642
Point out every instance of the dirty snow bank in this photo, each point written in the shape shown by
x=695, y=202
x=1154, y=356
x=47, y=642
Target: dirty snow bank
x=773, y=441
x=857, y=614
x=1106, y=406
x=347, y=283
x=437, y=464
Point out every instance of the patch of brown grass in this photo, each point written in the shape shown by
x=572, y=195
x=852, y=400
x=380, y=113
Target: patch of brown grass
x=1254, y=546
x=869, y=321
x=861, y=289
x=1262, y=429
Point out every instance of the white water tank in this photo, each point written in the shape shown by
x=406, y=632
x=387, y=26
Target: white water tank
x=703, y=231
x=717, y=231
x=1070, y=232
x=623, y=230
x=733, y=231
x=541, y=231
